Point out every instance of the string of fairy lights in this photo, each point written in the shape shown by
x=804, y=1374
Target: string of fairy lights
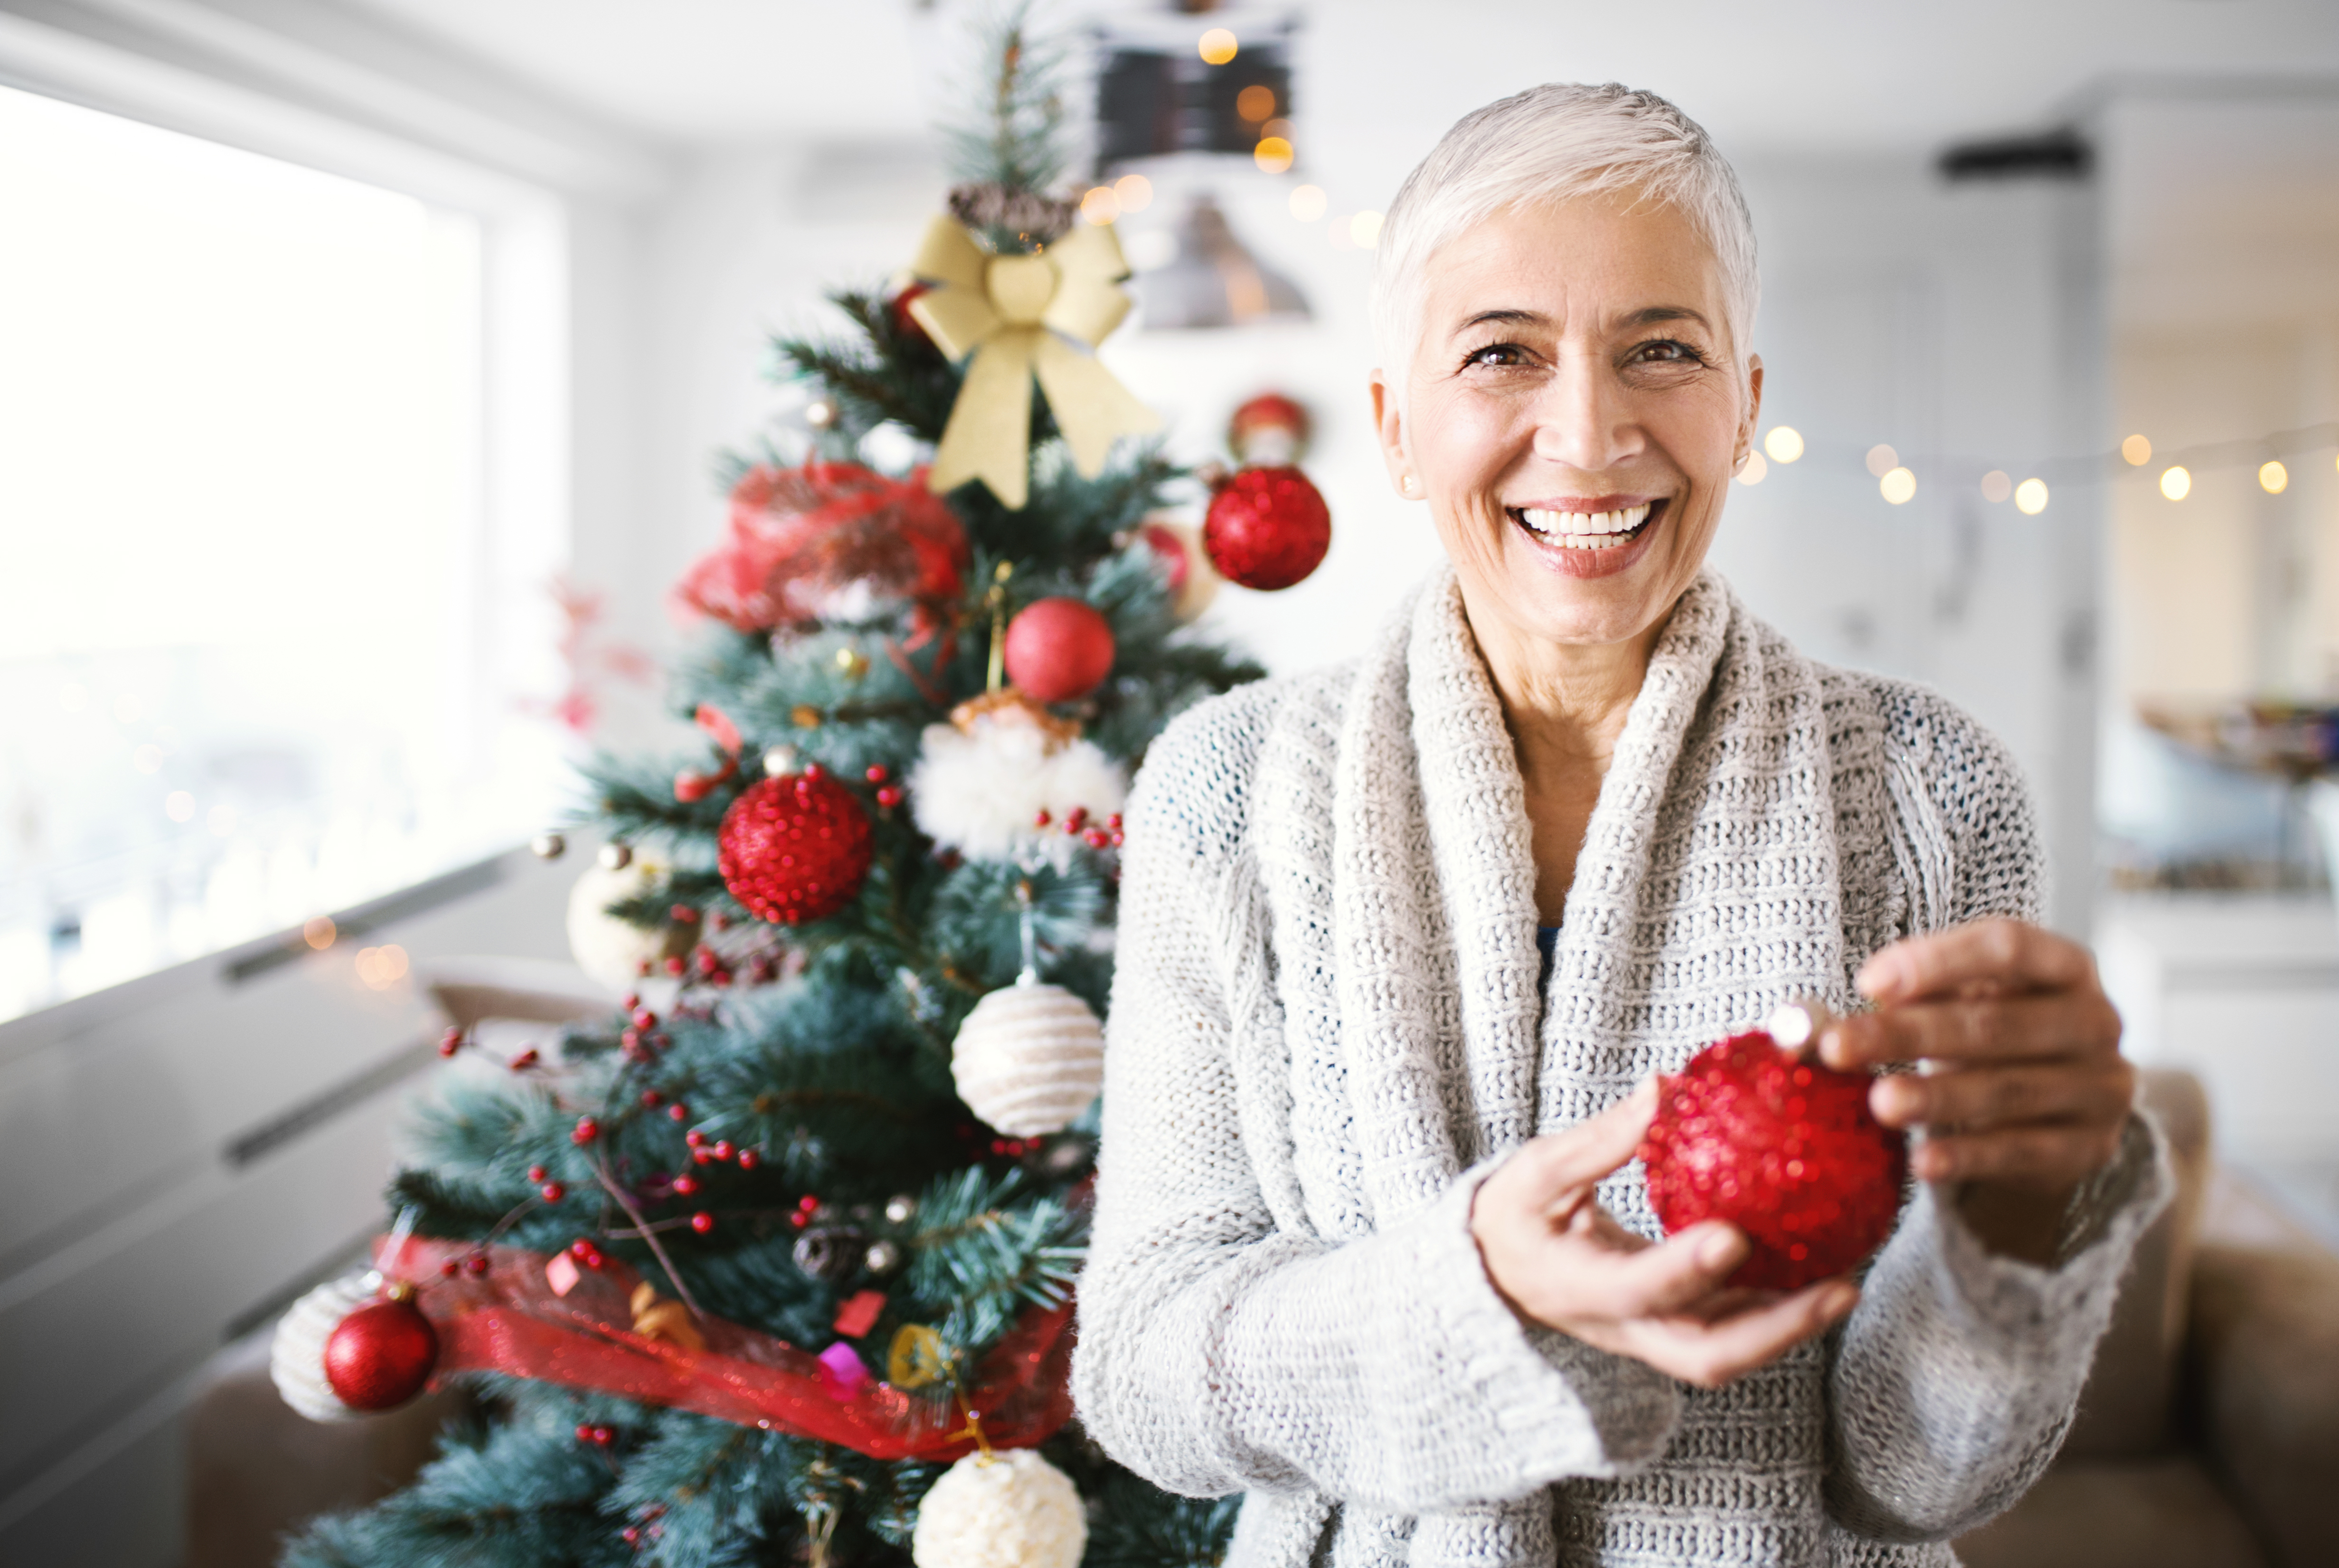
x=1897, y=482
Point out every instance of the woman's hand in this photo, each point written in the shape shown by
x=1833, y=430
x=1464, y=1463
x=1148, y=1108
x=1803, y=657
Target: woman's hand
x=1560, y=1260
x=2024, y=1092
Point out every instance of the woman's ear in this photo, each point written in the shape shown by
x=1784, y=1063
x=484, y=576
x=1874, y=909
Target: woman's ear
x=1753, y=422
x=1388, y=424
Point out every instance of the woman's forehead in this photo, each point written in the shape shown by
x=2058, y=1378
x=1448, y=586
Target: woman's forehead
x=1618, y=260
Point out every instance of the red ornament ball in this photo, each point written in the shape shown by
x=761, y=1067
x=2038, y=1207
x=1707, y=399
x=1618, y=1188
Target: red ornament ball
x=1783, y=1149
x=380, y=1355
x=1267, y=528
x=794, y=848
x=1058, y=649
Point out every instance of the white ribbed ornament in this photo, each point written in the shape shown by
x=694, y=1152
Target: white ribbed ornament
x=1029, y=1059
x=1011, y=1509
x=612, y=951
x=297, y=1360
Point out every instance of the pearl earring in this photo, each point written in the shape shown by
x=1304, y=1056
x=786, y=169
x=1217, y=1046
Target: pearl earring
x=1409, y=484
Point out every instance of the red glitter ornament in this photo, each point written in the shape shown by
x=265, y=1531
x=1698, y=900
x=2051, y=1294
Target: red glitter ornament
x=1267, y=528
x=1783, y=1149
x=794, y=848
x=1058, y=649
x=382, y=1355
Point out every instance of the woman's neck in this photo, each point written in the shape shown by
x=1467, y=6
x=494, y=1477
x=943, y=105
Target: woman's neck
x=1567, y=705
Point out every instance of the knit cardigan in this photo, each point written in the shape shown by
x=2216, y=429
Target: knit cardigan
x=1330, y=1019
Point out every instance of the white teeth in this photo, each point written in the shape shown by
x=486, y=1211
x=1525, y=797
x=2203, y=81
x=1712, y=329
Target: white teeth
x=1583, y=530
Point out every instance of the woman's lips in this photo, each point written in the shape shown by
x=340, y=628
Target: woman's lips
x=1591, y=544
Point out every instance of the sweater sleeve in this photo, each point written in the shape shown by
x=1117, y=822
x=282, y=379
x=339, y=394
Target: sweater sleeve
x=1220, y=1350
x=1953, y=1382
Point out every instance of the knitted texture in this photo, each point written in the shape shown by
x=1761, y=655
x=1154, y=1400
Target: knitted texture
x=1330, y=1019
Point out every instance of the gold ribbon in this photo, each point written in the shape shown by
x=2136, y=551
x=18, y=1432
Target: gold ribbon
x=1014, y=314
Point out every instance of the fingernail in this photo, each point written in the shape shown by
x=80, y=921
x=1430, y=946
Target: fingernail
x=1837, y=1301
x=1718, y=1248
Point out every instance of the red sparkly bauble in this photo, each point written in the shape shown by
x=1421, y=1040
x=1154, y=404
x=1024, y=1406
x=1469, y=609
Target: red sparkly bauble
x=382, y=1355
x=794, y=848
x=1269, y=428
x=1058, y=649
x=1267, y=528
x=1785, y=1149
x=829, y=541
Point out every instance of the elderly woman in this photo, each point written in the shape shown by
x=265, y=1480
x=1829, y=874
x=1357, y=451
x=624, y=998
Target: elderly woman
x=1368, y=1246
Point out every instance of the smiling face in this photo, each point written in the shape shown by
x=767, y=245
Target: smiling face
x=1574, y=413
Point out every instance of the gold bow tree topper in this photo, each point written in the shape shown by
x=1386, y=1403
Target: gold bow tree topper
x=1014, y=314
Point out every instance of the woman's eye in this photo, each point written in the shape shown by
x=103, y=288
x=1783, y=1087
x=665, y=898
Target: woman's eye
x=1502, y=354
x=1667, y=351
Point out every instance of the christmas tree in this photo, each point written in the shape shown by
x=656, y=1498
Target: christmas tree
x=741, y=1273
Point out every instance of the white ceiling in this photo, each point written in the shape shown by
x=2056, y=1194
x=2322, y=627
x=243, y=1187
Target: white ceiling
x=1383, y=76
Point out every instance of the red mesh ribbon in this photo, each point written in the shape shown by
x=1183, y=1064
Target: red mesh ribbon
x=508, y=1320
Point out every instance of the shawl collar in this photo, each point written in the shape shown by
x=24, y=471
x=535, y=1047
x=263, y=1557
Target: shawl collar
x=1449, y=1052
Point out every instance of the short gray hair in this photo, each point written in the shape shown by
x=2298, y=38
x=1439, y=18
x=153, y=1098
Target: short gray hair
x=1549, y=144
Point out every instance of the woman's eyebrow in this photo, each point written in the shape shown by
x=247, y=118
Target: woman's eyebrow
x=1508, y=314
x=1653, y=314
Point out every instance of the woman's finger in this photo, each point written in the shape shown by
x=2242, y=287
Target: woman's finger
x=1549, y=1167
x=2011, y=952
x=1987, y=1098
x=2042, y=1157
x=1673, y=1276
x=2080, y=1021
x=1711, y=1353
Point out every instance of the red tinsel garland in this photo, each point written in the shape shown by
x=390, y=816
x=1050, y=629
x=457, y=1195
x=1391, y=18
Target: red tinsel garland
x=509, y=1320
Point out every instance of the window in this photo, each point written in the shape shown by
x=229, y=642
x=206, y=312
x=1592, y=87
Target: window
x=247, y=669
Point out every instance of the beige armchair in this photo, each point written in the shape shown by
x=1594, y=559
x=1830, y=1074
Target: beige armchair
x=2208, y=1433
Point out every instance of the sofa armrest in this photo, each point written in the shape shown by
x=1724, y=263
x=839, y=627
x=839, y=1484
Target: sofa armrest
x=2262, y=1381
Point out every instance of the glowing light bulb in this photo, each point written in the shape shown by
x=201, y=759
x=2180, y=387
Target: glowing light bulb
x=1883, y=459
x=2175, y=483
x=1365, y=229
x=1217, y=46
x=1751, y=470
x=2030, y=498
x=1996, y=486
x=1784, y=443
x=1101, y=206
x=1134, y=191
x=2273, y=479
x=2136, y=451
x=1272, y=154
x=1255, y=103
x=1308, y=203
x=1898, y=487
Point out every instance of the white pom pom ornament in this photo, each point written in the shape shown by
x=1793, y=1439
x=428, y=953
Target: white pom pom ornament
x=1000, y=1510
x=611, y=950
x=1029, y=1059
x=983, y=780
x=297, y=1359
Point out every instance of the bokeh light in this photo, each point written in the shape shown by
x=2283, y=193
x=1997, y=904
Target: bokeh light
x=1217, y=46
x=1099, y=206
x=1255, y=102
x=1365, y=229
x=1308, y=203
x=1883, y=459
x=1133, y=191
x=2175, y=483
x=1898, y=487
x=1997, y=485
x=2030, y=497
x=2136, y=451
x=1751, y=472
x=320, y=931
x=1273, y=154
x=2273, y=479
x=1784, y=443
x=179, y=806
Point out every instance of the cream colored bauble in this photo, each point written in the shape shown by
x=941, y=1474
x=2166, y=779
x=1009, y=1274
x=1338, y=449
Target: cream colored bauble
x=612, y=951
x=1029, y=1059
x=297, y=1359
x=1009, y=1509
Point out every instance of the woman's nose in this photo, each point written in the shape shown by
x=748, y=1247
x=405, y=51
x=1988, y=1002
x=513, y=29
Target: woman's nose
x=1583, y=419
